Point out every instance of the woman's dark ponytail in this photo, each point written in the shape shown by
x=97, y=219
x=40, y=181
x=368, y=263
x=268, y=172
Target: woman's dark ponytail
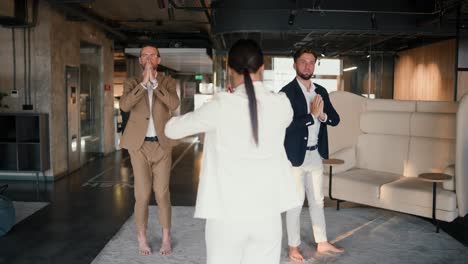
x=249, y=88
x=246, y=57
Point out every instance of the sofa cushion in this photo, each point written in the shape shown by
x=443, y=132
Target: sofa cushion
x=348, y=155
x=450, y=185
x=429, y=155
x=360, y=184
x=384, y=153
x=349, y=106
x=433, y=125
x=414, y=191
x=383, y=122
x=436, y=107
x=390, y=105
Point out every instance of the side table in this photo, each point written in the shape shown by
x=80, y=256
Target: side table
x=434, y=178
x=332, y=162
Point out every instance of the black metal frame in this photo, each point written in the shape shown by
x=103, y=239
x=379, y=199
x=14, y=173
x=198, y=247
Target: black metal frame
x=434, y=198
x=338, y=201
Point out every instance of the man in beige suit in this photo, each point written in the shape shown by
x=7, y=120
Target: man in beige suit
x=149, y=149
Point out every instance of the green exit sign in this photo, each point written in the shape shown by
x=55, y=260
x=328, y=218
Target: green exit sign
x=198, y=77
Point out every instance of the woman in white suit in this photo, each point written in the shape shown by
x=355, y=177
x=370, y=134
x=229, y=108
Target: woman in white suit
x=245, y=180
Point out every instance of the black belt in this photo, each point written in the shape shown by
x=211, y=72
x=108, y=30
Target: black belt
x=312, y=147
x=152, y=139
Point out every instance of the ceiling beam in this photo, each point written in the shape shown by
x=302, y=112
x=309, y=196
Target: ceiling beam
x=207, y=13
x=189, y=8
x=227, y=20
x=91, y=18
x=396, y=6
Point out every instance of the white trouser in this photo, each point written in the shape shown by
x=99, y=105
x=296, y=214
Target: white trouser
x=235, y=241
x=309, y=181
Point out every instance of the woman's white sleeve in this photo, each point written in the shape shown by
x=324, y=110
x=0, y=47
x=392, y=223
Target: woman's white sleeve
x=201, y=120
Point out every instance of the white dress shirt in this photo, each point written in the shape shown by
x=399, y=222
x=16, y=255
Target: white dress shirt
x=150, y=87
x=314, y=128
x=312, y=158
x=238, y=179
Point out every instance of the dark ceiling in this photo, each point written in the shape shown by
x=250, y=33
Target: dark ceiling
x=333, y=27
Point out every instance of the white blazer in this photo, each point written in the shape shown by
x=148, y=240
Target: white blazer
x=238, y=179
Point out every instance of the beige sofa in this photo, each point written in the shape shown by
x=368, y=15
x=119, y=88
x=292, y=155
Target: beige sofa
x=386, y=144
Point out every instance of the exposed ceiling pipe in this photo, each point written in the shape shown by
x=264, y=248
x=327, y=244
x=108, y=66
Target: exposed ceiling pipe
x=13, y=41
x=190, y=8
x=207, y=14
x=452, y=5
x=170, y=13
x=26, y=52
x=179, y=21
x=25, y=65
x=319, y=10
x=93, y=20
x=363, y=44
x=440, y=10
x=29, y=66
x=33, y=23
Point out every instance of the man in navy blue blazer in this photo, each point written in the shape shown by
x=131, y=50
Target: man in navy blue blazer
x=306, y=144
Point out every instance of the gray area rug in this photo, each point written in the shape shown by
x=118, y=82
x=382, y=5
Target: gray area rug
x=368, y=235
x=24, y=209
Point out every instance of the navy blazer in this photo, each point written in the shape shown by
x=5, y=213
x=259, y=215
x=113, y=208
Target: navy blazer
x=297, y=134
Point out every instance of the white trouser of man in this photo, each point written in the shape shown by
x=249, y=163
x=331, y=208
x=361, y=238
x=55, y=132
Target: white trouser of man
x=243, y=241
x=309, y=179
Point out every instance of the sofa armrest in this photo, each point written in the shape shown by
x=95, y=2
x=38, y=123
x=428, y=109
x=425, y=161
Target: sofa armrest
x=450, y=185
x=348, y=155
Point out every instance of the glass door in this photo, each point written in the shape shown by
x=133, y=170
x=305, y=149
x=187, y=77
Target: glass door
x=91, y=102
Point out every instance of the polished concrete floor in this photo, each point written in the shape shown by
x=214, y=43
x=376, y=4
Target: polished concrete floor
x=90, y=205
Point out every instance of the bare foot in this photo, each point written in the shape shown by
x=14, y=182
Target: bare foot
x=324, y=247
x=166, y=249
x=295, y=255
x=143, y=247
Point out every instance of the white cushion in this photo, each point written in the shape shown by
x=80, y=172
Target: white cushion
x=433, y=125
x=360, y=184
x=443, y=215
x=414, y=191
x=348, y=155
x=450, y=185
x=349, y=106
x=461, y=164
x=383, y=122
x=390, y=105
x=429, y=155
x=384, y=153
x=436, y=107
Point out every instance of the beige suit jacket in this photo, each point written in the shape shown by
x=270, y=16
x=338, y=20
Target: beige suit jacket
x=136, y=101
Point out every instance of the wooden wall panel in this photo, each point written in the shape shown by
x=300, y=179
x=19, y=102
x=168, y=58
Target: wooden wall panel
x=426, y=73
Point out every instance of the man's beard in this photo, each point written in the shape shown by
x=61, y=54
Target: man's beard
x=304, y=76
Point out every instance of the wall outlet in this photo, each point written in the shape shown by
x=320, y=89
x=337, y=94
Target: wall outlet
x=14, y=93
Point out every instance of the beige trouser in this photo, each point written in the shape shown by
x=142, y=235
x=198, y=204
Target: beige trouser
x=151, y=168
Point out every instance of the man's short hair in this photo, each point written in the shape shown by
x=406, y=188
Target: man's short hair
x=151, y=46
x=303, y=50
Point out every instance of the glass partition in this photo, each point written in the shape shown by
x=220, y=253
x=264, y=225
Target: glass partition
x=91, y=102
